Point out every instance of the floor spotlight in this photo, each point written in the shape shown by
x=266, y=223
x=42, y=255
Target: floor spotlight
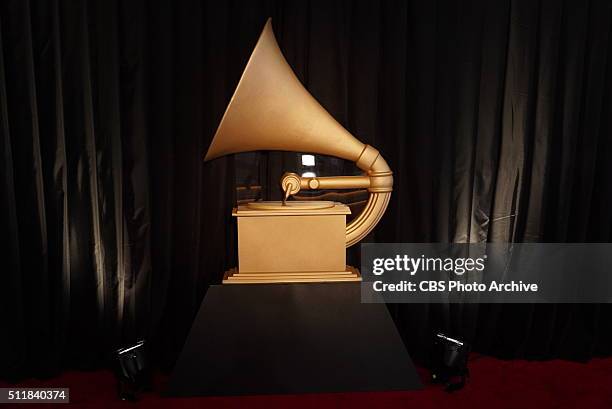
x=449, y=362
x=132, y=371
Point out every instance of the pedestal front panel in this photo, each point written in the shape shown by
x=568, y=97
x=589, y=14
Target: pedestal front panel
x=292, y=338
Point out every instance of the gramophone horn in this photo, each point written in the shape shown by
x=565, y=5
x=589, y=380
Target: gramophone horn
x=271, y=110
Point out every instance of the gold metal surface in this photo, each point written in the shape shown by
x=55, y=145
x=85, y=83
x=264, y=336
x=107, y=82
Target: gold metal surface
x=291, y=240
x=291, y=206
x=271, y=110
x=349, y=274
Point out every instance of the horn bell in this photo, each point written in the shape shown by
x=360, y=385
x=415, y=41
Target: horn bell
x=271, y=110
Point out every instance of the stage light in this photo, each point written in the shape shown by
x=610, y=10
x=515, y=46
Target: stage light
x=308, y=160
x=449, y=362
x=132, y=371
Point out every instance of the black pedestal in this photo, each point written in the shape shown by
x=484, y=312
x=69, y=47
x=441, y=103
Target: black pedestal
x=291, y=338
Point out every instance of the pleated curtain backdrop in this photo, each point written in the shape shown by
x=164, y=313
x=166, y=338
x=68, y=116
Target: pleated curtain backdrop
x=494, y=115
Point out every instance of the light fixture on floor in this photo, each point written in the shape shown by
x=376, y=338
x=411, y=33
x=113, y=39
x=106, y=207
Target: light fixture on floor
x=449, y=362
x=132, y=371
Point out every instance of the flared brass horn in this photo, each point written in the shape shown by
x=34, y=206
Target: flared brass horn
x=271, y=110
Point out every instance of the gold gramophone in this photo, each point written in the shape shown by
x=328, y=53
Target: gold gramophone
x=295, y=241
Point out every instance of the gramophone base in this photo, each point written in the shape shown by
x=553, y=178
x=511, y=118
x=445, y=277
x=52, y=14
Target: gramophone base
x=233, y=276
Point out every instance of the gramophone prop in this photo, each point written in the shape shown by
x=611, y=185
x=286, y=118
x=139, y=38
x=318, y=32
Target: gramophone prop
x=289, y=240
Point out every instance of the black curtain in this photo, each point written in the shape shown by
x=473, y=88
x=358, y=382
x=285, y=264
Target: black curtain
x=496, y=117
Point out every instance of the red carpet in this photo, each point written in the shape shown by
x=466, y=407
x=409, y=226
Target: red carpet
x=493, y=384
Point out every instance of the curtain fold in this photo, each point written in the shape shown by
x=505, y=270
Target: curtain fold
x=495, y=117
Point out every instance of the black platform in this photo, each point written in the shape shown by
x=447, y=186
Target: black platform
x=291, y=338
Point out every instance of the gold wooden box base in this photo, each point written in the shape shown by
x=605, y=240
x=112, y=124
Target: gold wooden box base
x=233, y=276
x=296, y=242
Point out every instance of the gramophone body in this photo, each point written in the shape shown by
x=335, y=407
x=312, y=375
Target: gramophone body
x=292, y=244
x=295, y=241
